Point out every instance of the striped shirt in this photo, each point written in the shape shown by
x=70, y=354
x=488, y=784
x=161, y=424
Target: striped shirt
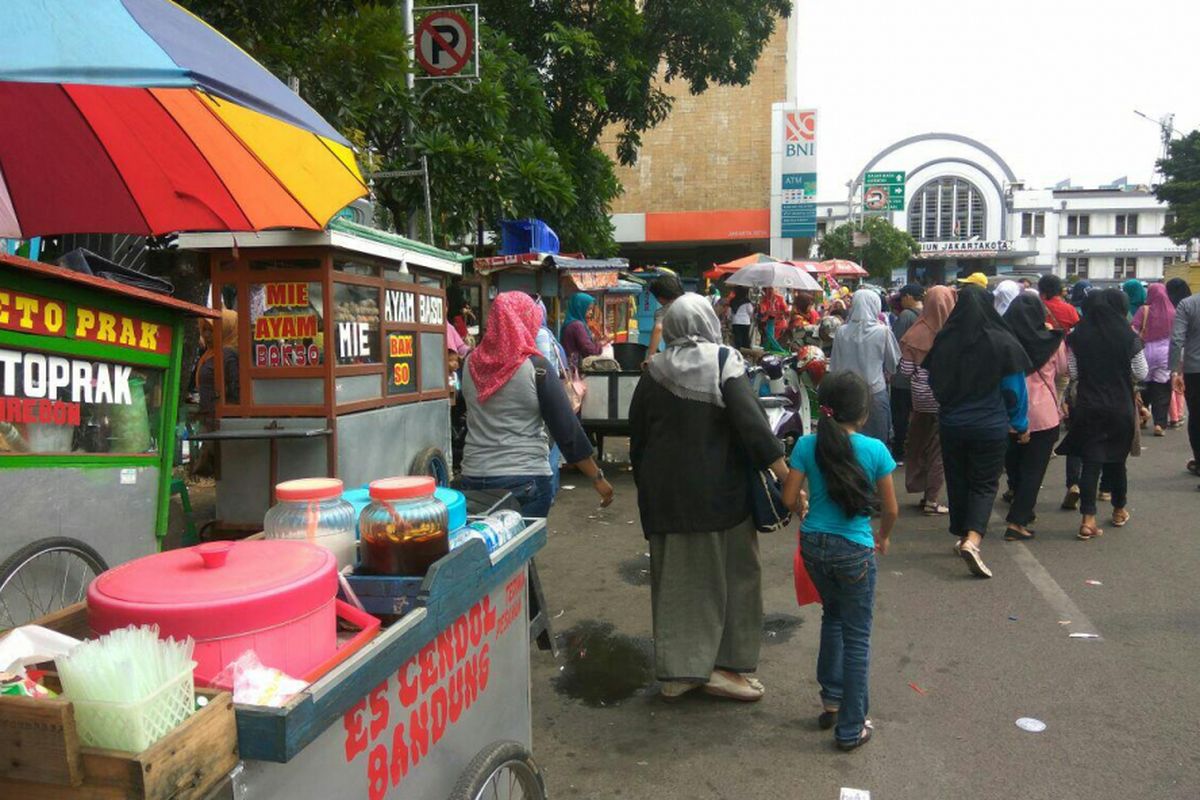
x=922, y=394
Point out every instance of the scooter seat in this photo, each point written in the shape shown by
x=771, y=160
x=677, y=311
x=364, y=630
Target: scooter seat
x=773, y=402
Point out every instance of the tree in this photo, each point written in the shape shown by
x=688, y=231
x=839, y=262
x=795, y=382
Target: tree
x=523, y=141
x=1181, y=187
x=889, y=248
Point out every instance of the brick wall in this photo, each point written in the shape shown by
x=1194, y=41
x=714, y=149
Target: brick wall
x=714, y=151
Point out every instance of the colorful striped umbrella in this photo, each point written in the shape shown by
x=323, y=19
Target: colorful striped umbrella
x=134, y=116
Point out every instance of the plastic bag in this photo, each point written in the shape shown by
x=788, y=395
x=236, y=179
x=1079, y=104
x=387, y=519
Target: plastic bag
x=253, y=683
x=806, y=592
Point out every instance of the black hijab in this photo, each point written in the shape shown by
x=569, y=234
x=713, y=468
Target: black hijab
x=1103, y=345
x=1178, y=290
x=973, y=351
x=1026, y=317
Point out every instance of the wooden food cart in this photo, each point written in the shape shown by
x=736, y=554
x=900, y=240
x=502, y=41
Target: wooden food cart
x=89, y=388
x=341, y=355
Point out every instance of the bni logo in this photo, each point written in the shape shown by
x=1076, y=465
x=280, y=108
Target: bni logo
x=800, y=126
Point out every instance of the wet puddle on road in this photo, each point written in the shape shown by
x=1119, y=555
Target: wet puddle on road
x=635, y=571
x=778, y=628
x=603, y=667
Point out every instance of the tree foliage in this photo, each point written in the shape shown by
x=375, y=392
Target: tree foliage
x=1181, y=189
x=890, y=247
x=524, y=140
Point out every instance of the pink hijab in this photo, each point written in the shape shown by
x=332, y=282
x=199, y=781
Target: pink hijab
x=511, y=338
x=1161, y=315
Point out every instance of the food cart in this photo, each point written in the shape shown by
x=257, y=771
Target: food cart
x=341, y=357
x=89, y=388
x=555, y=277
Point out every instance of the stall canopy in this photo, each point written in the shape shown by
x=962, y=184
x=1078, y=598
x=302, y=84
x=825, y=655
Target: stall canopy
x=841, y=268
x=136, y=117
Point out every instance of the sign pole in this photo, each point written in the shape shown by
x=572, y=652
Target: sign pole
x=410, y=85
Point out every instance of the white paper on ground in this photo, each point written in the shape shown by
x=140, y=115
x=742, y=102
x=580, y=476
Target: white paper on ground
x=1030, y=724
x=32, y=644
x=854, y=794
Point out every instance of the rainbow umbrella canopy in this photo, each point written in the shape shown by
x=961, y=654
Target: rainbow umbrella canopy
x=134, y=116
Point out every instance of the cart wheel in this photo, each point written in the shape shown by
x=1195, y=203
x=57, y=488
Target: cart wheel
x=503, y=771
x=45, y=576
x=431, y=462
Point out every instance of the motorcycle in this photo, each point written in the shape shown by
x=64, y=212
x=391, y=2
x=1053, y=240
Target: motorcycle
x=786, y=389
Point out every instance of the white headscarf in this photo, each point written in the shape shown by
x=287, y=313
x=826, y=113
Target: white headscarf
x=1005, y=293
x=864, y=345
x=689, y=367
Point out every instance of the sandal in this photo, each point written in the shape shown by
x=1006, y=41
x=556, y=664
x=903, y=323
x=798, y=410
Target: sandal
x=934, y=508
x=1087, y=532
x=1120, y=517
x=1071, y=500
x=827, y=720
x=720, y=685
x=970, y=554
x=862, y=739
x=1018, y=535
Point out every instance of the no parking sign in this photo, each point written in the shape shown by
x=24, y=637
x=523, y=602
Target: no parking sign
x=446, y=42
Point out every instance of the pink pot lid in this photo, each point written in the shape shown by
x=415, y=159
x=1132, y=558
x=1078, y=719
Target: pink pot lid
x=216, y=589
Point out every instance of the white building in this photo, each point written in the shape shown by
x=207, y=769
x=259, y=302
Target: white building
x=970, y=212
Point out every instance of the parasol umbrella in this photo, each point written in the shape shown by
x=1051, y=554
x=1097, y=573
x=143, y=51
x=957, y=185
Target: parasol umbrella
x=134, y=116
x=812, y=267
x=729, y=267
x=841, y=268
x=775, y=274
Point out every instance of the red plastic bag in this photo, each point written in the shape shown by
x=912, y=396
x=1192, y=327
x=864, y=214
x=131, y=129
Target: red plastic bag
x=806, y=592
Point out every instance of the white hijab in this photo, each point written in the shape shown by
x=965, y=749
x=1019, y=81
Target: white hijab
x=1006, y=292
x=864, y=345
x=689, y=367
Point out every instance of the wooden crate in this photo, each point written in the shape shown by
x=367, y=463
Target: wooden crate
x=41, y=757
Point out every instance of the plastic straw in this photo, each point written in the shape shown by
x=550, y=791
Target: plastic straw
x=124, y=666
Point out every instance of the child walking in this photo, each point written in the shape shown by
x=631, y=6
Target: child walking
x=847, y=473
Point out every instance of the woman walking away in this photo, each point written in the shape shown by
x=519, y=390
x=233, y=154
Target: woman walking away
x=1178, y=291
x=977, y=372
x=1135, y=290
x=923, y=450
x=847, y=473
x=866, y=347
x=513, y=398
x=1026, y=461
x=743, y=317
x=576, y=337
x=1106, y=358
x=1153, y=323
x=697, y=435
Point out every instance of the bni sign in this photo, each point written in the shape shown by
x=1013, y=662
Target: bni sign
x=798, y=208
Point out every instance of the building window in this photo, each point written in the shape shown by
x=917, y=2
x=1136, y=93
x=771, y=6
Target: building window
x=1169, y=260
x=1124, y=267
x=1078, y=224
x=1033, y=223
x=1077, y=267
x=1127, y=224
x=947, y=208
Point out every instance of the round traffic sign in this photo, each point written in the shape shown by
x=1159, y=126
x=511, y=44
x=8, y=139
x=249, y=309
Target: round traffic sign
x=876, y=198
x=445, y=43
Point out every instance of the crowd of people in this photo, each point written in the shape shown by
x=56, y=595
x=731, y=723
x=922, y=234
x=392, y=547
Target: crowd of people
x=964, y=384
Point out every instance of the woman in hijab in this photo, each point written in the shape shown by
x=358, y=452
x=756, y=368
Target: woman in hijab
x=1029, y=456
x=1177, y=290
x=577, y=339
x=697, y=436
x=1135, y=290
x=923, y=450
x=1004, y=295
x=1106, y=358
x=1079, y=293
x=977, y=373
x=867, y=347
x=1153, y=323
x=516, y=404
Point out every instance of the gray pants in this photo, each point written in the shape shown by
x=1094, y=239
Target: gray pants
x=706, y=595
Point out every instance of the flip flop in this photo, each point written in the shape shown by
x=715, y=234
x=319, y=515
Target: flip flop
x=862, y=739
x=1014, y=535
x=720, y=686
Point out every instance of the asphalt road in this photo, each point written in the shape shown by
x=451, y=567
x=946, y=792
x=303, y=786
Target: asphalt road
x=955, y=661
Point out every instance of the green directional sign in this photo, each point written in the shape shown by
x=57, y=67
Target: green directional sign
x=883, y=191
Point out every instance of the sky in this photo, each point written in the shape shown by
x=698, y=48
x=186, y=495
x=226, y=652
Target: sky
x=1051, y=85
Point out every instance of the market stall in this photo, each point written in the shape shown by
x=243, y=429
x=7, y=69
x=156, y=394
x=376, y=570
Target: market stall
x=89, y=389
x=555, y=277
x=341, y=353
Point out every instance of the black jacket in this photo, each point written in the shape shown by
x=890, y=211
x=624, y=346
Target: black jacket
x=692, y=460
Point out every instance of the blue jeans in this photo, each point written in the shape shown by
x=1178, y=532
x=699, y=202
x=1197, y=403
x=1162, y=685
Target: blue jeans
x=844, y=574
x=533, y=492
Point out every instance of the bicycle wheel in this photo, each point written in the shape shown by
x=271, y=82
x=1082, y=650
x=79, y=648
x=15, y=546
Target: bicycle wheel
x=502, y=771
x=45, y=576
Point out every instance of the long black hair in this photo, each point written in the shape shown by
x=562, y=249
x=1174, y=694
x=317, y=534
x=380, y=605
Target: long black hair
x=843, y=398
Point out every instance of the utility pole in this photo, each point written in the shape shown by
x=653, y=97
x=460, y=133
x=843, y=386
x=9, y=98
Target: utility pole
x=410, y=84
x=1166, y=126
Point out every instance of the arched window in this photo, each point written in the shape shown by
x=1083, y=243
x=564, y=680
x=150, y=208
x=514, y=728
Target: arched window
x=946, y=208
